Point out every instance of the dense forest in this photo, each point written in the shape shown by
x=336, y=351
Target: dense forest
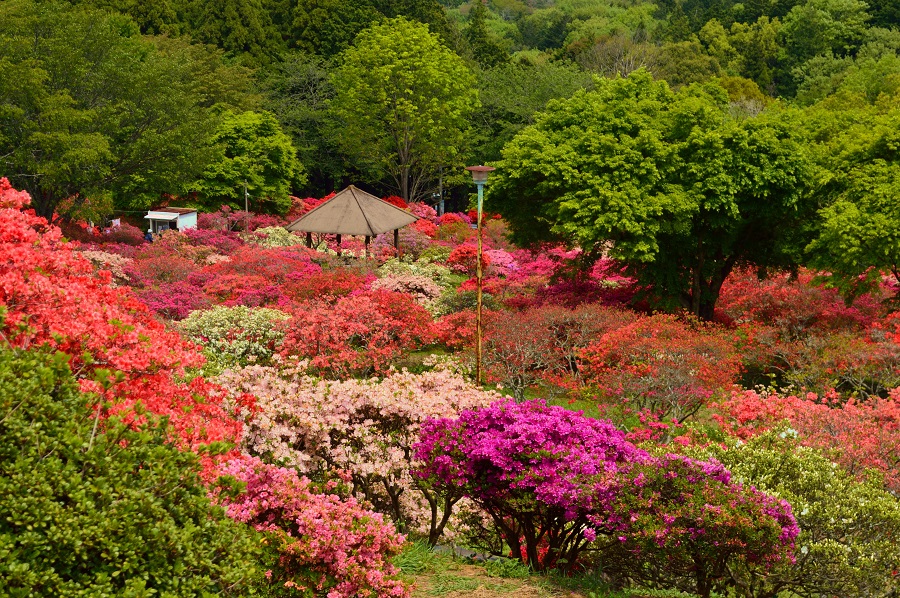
x=758, y=133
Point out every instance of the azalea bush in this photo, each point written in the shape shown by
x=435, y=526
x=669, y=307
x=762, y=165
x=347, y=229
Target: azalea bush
x=275, y=236
x=52, y=297
x=424, y=290
x=849, y=527
x=236, y=335
x=356, y=335
x=553, y=481
x=858, y=434
x=363, y=428
x=320, y=544
x=464, y=259
x=671, y=366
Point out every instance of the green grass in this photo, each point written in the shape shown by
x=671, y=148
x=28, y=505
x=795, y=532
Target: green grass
x=418, y=558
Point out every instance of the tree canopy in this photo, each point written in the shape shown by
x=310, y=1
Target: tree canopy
x=403, y=100
x=673, y=183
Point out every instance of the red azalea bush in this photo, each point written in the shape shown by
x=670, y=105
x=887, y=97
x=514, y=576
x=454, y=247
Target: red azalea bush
x=159, y=269
x=423, y=210
x=175, y=300
x=124, y=233
x=320, y=544
x=223, y=241
x=457, y=330
x=668, y=365
x=859, y=434
x=464, y=259
x=396, y=200
x=247, y=290
x=541, y=345
x=337, y=282
x=51, y=296
x=426, y=227
x=356, y=335
x=277, y=266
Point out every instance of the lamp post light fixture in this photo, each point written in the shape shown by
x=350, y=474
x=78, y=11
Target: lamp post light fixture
x=480, y=177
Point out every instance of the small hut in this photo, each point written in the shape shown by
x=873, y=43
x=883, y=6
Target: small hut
x=353, y=212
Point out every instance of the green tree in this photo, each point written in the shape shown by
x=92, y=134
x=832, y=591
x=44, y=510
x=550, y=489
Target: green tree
x=848, y=528
x=243, y=28
x=298, y=88
x=87, y=107
x=677, y=185
x=404, y=100
x=485, y=49
x=257, y=152
x=92, y=508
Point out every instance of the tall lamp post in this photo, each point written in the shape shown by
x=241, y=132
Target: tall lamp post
x=480, y=176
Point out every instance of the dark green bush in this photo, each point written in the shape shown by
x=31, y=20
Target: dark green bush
x=89, y=507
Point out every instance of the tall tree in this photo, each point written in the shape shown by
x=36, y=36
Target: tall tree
x=404, y=100
x=254, y=152
x=485, y=49
x=674, y=184
x=88, y=107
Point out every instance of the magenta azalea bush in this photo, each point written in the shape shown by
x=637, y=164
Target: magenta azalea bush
x=553, y=481
x=323, y=545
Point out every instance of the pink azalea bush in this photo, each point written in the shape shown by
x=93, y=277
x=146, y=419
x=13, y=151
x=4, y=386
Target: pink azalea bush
x=546, y=474
x=322, y=544
x=364, y=428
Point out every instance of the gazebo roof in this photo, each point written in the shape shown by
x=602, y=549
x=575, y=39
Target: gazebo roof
x=353, y=212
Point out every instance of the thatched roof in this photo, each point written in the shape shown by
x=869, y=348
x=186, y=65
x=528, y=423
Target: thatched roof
x=353, y=212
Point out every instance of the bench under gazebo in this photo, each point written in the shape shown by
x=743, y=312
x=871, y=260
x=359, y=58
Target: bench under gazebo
x=353, y=212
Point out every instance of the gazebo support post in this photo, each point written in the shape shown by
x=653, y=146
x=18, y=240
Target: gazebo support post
x=367, y=245
x=309, y=240
x=397, y=241
x=339, y=244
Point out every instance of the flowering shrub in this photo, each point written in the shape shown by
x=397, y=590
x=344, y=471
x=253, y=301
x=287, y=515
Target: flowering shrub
x=502, y=262
x=426, y=227
x=420, y=267
x=457, y=330
x=173, y=300
x=464, y=259
x=395, y=200
x=423, y=211
x=276, y=265
x=236, y=335
x=120, y=352
x=538, y=471
x=322, y=544
x=545, y=474
x=422, y=289
x=275, y=236
x=412, y=243
x=455, y=230
x=224, y=241
x=124, y=233
x=848, y=528
x=156, y=270
x=113, y=263
x=689, y=525
x=356, y=335
x=362, y=427
x=251, y=291
x=661, y=363
x=859, y=434
x=338, y=282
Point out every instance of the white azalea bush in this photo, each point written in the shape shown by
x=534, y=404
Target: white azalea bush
x=236, y=336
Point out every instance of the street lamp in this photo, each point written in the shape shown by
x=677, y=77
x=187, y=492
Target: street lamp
x=480, y=176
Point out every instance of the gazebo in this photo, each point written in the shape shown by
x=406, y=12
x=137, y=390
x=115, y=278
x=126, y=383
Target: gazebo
x=353, y=212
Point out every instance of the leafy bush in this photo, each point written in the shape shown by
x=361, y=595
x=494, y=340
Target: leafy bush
x=224, y=241
x=125, y=234
x=90, y=509
x=236, y=335
x=858, y=434
x=463, y=259
x=175, y=300
x=422, y=289
x=849, y=528
x=275, y=236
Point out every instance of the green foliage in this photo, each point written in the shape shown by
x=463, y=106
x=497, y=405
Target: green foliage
x=94, y=508
x=849, y=542
x=243, y=28
x=254, y=150
x=486, y=50
x=672, y=183
x=89, y=107
x=404, y=100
